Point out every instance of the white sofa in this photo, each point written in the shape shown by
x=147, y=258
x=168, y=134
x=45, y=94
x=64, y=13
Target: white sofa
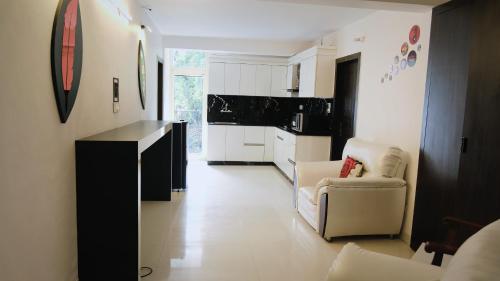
x=478, y=259
x=367, y=205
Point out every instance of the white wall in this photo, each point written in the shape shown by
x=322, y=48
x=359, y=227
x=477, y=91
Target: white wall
x=390, y=112
x=236, y=46
x=37, y=166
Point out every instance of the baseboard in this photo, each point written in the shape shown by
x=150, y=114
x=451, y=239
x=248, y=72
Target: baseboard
x=239, y=163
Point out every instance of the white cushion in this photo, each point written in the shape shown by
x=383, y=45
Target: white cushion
x=478, y=258
x=372, y=154
x=390, y=162
x=356, y=264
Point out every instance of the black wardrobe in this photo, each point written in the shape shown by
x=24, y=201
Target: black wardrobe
x=459, y=174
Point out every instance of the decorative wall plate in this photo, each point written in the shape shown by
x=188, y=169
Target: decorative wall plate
x=414, y=34
x=141, y=68
x=66, y=55
x=404, y=49
x=403, y=64
x=412, y=58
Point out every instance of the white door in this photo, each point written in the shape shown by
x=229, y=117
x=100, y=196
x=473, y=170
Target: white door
x=307, y=77
x=232, y=78
x=247, y=79
x=263, y=80
x=278, y=81
x=216, y=78
x=216, y=143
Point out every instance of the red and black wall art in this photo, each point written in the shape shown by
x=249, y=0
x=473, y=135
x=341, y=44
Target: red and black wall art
x=66, y=55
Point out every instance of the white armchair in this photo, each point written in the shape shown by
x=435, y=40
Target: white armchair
x=477, y=259
x=371, y=204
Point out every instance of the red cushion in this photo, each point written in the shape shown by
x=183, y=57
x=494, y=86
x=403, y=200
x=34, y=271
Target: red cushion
x=349, y=164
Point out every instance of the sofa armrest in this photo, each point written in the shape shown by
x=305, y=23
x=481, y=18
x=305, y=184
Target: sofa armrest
x=368, y=182
x=310, y=173
x=356, y=264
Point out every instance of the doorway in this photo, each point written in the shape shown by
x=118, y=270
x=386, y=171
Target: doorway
x=160, y=90
x=344, y=111
x=187, y=88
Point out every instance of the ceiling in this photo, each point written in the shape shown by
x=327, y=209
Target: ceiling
x=263, y=20
x=279, y=20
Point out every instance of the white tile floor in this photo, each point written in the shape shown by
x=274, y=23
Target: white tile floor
x=237, y=223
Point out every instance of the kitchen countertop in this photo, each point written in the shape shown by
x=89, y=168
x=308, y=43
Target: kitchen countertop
x=284, y=128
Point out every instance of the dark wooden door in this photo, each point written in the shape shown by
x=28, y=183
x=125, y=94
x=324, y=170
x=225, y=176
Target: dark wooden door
x=160, y=91
x=443, y=119
x=344, y=110
x=479, y=181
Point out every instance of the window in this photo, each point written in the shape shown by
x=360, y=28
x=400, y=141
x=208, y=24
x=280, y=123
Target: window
x=187, y=68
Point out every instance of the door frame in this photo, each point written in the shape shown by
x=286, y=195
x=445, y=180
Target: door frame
x=352, y=57
x=160, y=107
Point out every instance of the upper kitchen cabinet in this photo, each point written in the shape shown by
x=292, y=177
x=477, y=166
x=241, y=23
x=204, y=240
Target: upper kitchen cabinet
x=316, y=72
x=263, y=80
x=232, y=78
x=278, y=81
x=248, y=79
x=307, y=84
x=216, y=80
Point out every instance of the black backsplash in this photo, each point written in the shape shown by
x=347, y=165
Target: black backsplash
x=264, y=111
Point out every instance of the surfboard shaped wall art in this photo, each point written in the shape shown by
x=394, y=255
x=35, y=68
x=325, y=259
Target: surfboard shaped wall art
x=141, y=71
x=66, y=55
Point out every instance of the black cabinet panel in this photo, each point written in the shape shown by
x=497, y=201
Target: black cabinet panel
x=479, y=181
x=459, y=148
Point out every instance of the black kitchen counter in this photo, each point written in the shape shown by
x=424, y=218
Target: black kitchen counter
x=284, y=128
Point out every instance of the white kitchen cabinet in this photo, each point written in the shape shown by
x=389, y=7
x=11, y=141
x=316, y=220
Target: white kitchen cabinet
x=255, y=135
x=278, y=81
x=263, y=80
x=232, y=78
x=216, y=78
x=245, y=143
x=289, y=149
x=216, y=143
x=307, y=77
x=235, y=137
x=269, y=144
x=247, y=79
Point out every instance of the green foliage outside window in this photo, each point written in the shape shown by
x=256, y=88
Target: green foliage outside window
x=188, y=58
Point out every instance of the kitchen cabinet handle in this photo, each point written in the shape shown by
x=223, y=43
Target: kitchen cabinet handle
x=280, y=138
x=253, y=144
x=291, y=161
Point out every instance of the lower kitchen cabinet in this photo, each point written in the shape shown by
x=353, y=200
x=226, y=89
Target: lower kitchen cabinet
x=239, y=144
x=245, y=143
x=290, y=148
x=216, y=143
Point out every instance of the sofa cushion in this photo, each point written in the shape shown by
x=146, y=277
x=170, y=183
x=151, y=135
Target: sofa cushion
x=371, y=155
x=478, y=258
x=354, y=264
x=310, y=193
x=390, y=162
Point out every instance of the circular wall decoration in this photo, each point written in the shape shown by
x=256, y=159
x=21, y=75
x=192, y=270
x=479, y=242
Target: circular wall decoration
x=404, y=49
x=396, y=60
x=66, y=55
x=414, y=34
x=396, y=70
x=403, y=64
x=142, y=75
x=412, y=58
